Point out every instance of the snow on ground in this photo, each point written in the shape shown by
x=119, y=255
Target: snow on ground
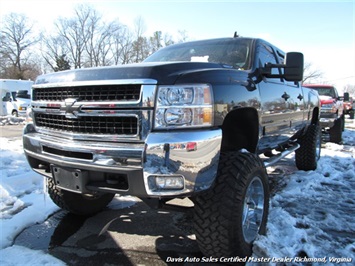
x=11, y=120
x=311, y=213
x=313, y=216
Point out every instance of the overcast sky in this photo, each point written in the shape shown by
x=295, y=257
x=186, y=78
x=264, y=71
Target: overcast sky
x=323, y=30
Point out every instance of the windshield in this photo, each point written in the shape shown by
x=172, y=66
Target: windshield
x=325, y=91
x=232, y=53
x=23, y=94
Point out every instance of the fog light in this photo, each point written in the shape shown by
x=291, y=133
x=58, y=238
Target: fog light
x=166, y=183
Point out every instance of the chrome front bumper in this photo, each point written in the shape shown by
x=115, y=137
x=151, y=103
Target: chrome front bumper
x=127, y=168
x=327, y=117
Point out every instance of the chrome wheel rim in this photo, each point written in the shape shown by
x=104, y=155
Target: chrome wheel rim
x=253, y=209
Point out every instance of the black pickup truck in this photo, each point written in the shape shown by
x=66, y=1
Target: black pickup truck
x=200, y=120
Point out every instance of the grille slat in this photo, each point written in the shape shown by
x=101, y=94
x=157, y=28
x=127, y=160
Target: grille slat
x=129, y=92
x=89, y=124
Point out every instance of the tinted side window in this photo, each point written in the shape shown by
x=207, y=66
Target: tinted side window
x=266, y=55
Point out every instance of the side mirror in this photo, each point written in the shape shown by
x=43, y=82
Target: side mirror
x=346, y=97
x=294, y=66
x=293, y=69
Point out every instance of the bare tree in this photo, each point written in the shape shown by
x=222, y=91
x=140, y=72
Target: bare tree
x=159, y=40
x=140, y=45
x=86, y=40
x=16, y=40
x=155, y=41
x=53, y=47
x=122, y=46
x=77, y=31
x=61, y=63
x=89, y=20
x=310, y=74
x=69, y=30
x=350, y=88
x=183, y=36
x=139, y=26
x=99, y=47
x=167, y=39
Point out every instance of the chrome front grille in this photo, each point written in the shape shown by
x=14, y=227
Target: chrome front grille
x=127, y=92
x=101, y=110
x=108, y=125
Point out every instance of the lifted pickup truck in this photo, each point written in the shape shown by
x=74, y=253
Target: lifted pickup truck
x=201, y=120
x=332, y=111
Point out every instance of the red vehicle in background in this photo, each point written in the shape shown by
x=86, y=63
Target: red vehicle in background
x=349, y=105
x=332, y=110
x=191, y=146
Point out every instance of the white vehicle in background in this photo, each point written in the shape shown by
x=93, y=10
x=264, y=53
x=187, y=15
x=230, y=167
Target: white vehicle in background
x=15, y=96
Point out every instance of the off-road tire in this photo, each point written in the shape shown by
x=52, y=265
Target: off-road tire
x=335, y=132
x=308, y=154
x=14, y=113
x=351, y=113
x=219, y=212
x=75, y=203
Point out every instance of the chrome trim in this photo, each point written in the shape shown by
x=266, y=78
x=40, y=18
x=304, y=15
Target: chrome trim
x=269, y=162
x=162, y=154
x=327, y=110
x=167, y=154
x=97, y=82
x=253, y=209
x=146, y=100
x=326, y=122
x=105, y=154
x=185, y=106
x=144, y=125
x=146, y=154
x=142, y=109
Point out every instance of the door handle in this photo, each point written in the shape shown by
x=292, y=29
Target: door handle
x=285, y=96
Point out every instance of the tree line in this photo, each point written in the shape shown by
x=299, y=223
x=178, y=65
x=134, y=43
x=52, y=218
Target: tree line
x=82, y=40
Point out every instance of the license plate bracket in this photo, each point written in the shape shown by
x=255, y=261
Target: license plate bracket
x=74, y=180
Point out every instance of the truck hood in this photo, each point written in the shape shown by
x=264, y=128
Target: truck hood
x=23, y=101
x=163, y=73
x=324, y=99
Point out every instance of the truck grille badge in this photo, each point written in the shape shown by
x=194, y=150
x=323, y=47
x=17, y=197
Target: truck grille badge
x=71, y=108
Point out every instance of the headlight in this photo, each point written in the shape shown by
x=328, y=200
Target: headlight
x=29, y=115
x=184, y=105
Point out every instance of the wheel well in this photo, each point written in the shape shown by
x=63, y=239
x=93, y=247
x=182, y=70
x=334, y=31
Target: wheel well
x=240, y=130
x=315, y=116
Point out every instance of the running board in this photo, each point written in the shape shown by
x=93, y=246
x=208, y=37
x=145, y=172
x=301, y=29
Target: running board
x=278, y=157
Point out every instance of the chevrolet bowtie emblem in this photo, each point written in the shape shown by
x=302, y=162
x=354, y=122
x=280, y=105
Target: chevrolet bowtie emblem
x=71, y=108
